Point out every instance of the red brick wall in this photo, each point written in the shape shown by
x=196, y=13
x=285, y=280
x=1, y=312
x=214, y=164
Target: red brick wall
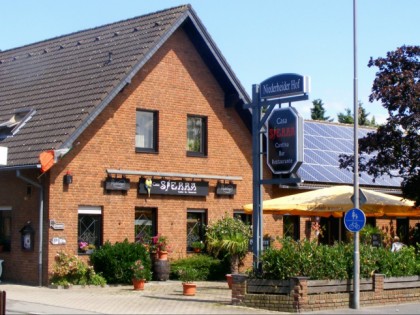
x=176, y=82
x=23, y=198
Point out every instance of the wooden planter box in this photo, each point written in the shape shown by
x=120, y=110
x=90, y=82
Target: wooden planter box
x=299, y=294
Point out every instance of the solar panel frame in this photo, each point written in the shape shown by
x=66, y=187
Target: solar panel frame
x=323, y=143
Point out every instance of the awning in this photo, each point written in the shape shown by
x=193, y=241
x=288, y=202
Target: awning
x=335, y=201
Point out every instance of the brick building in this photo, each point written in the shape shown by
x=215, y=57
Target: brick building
x=94, y=114
x=90, y=119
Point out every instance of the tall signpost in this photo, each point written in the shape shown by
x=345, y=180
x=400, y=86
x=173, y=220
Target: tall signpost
x=284, y=132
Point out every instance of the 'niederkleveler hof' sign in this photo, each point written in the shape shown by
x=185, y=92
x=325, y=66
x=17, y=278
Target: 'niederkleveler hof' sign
x=175, y=187
x=285, y=85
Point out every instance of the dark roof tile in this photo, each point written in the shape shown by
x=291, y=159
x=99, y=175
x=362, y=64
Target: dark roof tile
x=66, y=78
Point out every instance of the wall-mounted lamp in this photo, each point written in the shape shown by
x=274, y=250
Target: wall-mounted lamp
x=68, y=178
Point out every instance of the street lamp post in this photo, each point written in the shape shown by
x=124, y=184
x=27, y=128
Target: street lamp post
x=356, y=271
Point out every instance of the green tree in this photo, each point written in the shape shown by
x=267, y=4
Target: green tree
x=318, y=111
x=346, y=118
x=363, y=120
x=395, y=145
x=230, y=237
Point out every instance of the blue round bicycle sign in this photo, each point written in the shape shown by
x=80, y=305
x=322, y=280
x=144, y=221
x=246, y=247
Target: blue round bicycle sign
x=354, y=220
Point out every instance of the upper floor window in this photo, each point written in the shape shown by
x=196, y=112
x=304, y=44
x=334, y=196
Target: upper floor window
x=146, y=131
x=12, y=125
x=196, y=135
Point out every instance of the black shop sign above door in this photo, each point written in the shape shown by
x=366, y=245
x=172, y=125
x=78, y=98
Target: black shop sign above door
x=173, y=187
x=225, y=189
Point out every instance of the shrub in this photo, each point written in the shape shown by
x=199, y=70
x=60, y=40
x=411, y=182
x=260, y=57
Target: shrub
x=69, y=269
x=188, y=275
x=197, y=244
x=229, y=237
x=114, y=261
x=209, y=268
x=323, y=262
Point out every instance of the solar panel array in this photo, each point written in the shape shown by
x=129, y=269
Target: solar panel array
x=323, y=143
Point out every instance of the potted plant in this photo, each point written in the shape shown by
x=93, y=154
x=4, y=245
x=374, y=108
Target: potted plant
x=197, y=246
x=140, y=274
x=229, y=236
x=161, y=244
x=86, y=247
x=188, y=275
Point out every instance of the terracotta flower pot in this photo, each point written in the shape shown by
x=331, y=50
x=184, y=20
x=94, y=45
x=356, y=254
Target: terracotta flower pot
x=197, y=250
x=189, y=288
x=138, y=284
x=163, y=255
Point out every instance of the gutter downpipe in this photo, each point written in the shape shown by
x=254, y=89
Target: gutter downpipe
x=41, y=219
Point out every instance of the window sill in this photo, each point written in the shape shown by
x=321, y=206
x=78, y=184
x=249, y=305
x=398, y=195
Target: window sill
x=196, y=154
x=149, y=151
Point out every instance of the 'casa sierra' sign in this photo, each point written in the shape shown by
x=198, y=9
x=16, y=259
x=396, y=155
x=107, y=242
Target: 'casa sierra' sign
x=285, y=85
x=175, y=187
x=284, y=140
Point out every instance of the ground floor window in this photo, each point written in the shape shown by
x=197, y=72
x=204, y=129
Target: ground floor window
x=5, y=227
x=291, y=226
x=403, y=228
x=371, y=221
x=244, y=217
x=145, y=225
x=89, y=229
x=333, y=230
x=196, y=223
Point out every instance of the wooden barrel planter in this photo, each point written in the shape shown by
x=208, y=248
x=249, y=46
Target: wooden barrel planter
x=161, y=270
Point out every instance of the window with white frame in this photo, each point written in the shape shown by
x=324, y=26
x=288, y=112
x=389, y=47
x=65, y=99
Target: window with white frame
x=146, y=131
x=15, y=122
x=89, y=228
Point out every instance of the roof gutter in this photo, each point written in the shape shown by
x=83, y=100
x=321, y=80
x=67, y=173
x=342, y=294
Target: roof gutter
x=18, y=167
x=41, y=219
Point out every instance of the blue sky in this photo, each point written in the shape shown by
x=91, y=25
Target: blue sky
x=259, y=39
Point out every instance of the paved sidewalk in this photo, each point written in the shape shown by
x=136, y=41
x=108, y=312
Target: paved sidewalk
x=163, y=297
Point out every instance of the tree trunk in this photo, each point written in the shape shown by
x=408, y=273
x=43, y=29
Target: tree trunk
x=234, y=264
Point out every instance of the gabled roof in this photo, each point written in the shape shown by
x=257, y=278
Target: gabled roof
x=67, y=81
